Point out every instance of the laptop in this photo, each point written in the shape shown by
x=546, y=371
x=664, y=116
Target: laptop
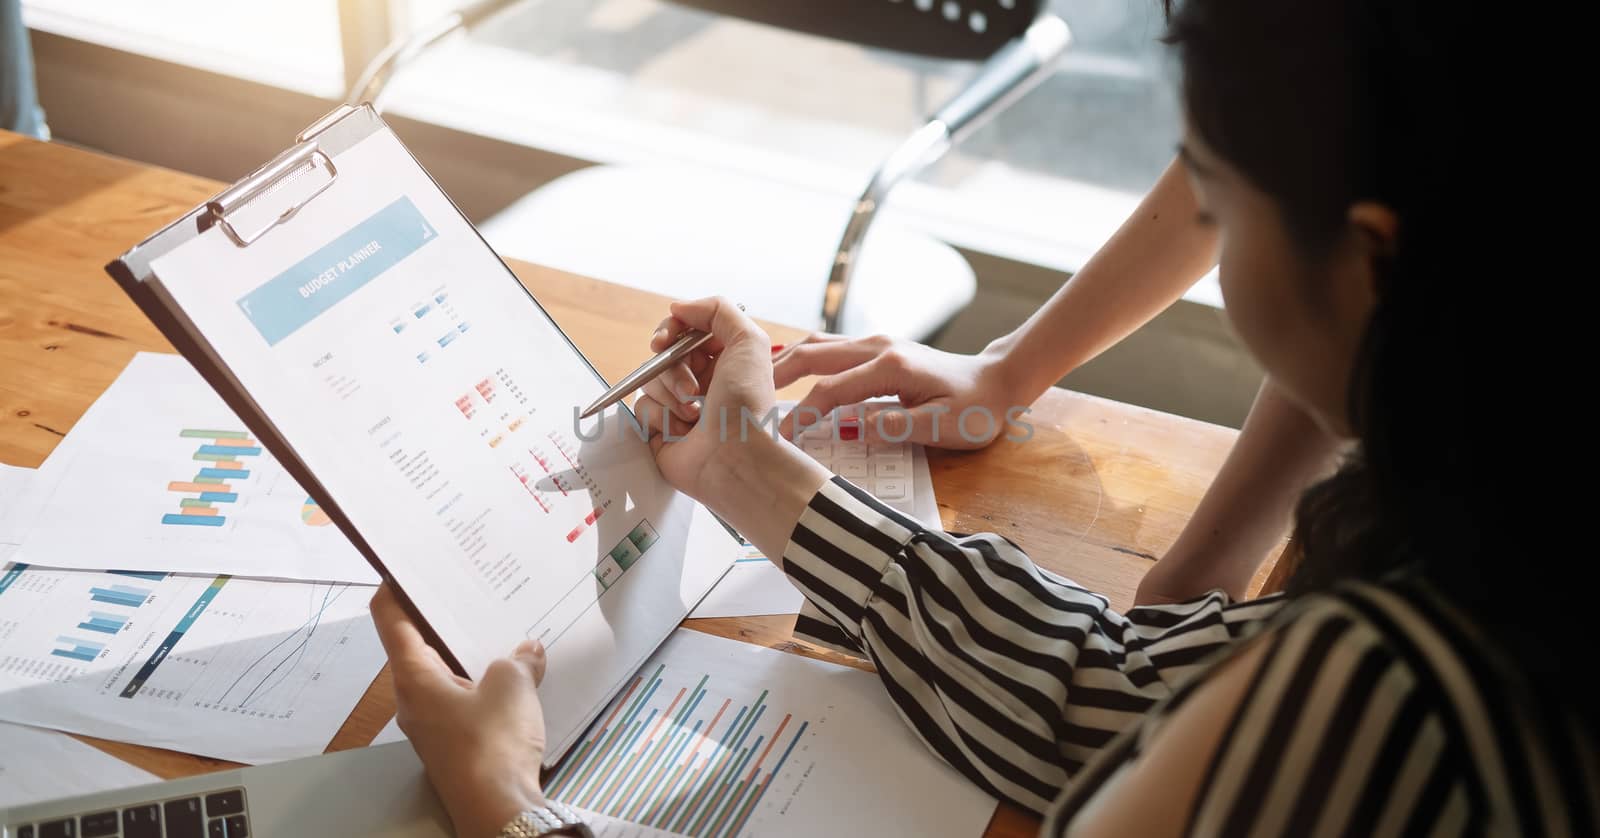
x=380, y=791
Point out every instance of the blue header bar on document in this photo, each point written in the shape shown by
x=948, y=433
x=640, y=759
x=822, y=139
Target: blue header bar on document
x=320, y=281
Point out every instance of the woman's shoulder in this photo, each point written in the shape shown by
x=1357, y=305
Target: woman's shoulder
x=1416, y=669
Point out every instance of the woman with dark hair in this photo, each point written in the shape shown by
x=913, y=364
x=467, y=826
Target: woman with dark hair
x=1401, y=686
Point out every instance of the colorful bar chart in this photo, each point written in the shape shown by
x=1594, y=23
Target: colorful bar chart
x=78, y=649
x=221, y=455
x=125, y=595
x=689, y=763
x=104, y=622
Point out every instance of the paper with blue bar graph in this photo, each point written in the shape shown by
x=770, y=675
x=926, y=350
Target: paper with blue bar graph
x=714, y=738
x=237, y=669
x=160, y=474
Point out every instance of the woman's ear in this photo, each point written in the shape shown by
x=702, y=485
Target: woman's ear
x=1374, y=228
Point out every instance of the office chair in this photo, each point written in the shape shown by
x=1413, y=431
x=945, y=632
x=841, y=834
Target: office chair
x=792, y=255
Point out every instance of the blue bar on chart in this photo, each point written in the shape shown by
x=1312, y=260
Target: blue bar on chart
x=78, y=649
x=146, y=575
x=161, y=652
x=104, y=623
x=126, y=595
x=222, y=473
x=219, y=497
x=229, y=450
x=175, y=519
x=11, y=576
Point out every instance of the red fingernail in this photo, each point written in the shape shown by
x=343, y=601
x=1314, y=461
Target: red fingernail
x=776, y=348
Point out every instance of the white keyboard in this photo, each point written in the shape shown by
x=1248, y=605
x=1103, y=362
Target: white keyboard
x=883, y=469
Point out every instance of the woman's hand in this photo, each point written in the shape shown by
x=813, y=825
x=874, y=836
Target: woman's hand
x=717, y=411
x=481, y=743
x=727, y=381
x=934, y=389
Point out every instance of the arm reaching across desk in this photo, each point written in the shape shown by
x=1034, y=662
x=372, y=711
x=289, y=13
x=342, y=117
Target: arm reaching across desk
x=1013, y=675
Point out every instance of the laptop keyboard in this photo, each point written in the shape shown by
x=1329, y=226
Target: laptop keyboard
x=220, y=814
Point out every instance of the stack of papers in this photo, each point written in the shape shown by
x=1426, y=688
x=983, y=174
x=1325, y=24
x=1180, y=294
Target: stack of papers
x=134, y=584
x=163, y=581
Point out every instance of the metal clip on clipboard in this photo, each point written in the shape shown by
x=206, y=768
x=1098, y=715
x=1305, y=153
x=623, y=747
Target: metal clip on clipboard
x=286, y=168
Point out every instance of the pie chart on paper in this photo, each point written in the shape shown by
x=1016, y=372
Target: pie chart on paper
x=312, y=515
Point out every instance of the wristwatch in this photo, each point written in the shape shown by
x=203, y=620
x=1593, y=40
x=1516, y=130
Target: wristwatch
x=550, y=819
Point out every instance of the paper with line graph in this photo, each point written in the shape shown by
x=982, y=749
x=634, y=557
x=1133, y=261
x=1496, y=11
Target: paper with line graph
x=715, y=738
x=160, y=474
x=238, y=669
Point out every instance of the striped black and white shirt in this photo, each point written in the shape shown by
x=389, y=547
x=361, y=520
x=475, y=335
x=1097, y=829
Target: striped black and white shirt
x=1373, y=712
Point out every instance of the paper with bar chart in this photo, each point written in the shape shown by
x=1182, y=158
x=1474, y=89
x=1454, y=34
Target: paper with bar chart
x=231, y=668
x=159, y=473
x=715, y=738
x=437, y=404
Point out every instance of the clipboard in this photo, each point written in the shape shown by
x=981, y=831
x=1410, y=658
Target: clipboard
x=265, y=214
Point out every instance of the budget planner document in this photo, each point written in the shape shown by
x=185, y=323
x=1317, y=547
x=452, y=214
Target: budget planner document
x=435, y=402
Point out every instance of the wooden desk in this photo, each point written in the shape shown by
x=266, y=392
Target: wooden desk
x=1100, y=491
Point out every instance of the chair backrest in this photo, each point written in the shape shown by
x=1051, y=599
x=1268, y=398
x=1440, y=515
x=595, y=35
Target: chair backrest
x=969, y=30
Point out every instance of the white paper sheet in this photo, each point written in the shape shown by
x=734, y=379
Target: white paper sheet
x=14, y=484
x=605, y=826
x=237, y=669
x=159, y=474
x=753, y=587
x=37, y=765
x=437, y=404
x=724, y=738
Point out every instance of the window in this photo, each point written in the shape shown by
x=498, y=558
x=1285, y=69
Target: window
x=649, y=81
x=293, y=44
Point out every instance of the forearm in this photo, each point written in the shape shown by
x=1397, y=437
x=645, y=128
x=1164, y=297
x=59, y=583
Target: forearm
x=1156, y=255
x=1013, y=675
x=761, y=486
x=1247, y=509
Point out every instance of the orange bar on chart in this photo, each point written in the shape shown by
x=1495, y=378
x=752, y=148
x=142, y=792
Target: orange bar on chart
x=235, y=443
x=198, y=487
x=198, y=510
x=230, y=464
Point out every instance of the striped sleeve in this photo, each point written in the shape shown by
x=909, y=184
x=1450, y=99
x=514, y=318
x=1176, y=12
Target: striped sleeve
x=1013, y=675
x=1335, y=736
x=1364, y=717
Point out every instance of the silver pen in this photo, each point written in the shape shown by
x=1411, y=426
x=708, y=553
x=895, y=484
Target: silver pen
x=686, y=343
